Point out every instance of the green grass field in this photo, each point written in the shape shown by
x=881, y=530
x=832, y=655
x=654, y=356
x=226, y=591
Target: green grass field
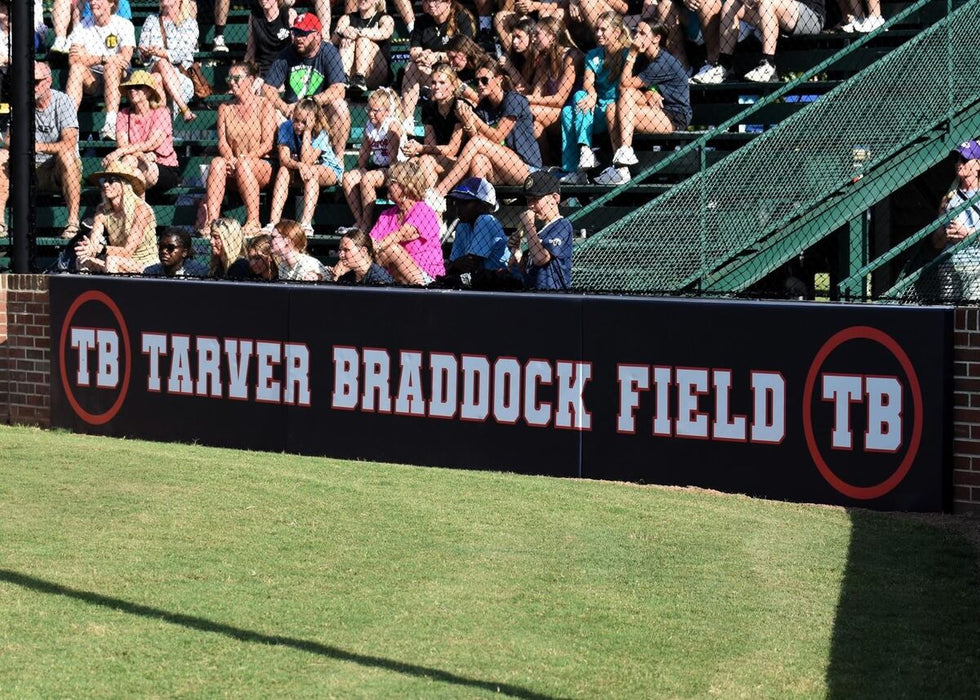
x=130, y=569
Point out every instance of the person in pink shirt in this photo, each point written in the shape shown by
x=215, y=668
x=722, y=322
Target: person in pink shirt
x=145, y=133
x=407, y=241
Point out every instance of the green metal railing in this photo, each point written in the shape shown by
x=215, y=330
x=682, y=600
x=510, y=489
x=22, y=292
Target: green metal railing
x=727, y=226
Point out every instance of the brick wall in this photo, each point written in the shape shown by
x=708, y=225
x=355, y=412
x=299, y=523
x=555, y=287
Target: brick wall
x=25, y=363
x=25, y=375
x=966, y=411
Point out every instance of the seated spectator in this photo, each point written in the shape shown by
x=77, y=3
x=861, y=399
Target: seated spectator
x=268, y=31
x=547, y=263
x=306, y=160
x=442, y=20
x=311, y=67
x=480, y=242
x=657, y=101
x=57, y=165
x=66, y=14
x=258, y=264
x=167, y=43
x=176, y=256
x=145, y=134
x=556, y=75
x=769, y=17
x=520, y=54
x=443, y=130
x=99, y=59
x=123, y=237
x=246, y=129
x=364, y=41
x=406, y=236
x=501, y=148
x=380, y=147
x=289, y=251
x=589, y=108
x=963, y=268
x=464, y=55
x=356, y=256
x=227, y=249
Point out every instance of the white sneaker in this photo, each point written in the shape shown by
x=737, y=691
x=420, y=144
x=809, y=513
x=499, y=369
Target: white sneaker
x=710, y=75
x=108, y=130
x=307, y=229
x=586, y=158
x=625, y=156
x=613, y=176
x=219, y=45
x=869, y=24
x=61, y=45
x=435, y=201
x=765, y=72
x=577, y=177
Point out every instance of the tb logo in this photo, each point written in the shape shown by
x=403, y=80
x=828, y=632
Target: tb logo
x=863, y=428
x=94, y=357
x=102, y=346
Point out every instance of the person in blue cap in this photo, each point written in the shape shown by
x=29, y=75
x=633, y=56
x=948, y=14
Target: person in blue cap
x=480, y=241
x=547, y=263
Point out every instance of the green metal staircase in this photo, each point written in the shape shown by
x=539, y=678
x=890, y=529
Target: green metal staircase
x=730, y=225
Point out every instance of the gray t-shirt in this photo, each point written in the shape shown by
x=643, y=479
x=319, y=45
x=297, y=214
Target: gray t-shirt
x=50, y=122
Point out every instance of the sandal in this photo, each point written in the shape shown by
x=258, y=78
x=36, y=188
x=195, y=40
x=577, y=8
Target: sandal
x=71, y=230
x=187, y=114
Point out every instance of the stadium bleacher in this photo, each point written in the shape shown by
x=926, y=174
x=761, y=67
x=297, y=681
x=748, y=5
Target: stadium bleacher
x=195, y=141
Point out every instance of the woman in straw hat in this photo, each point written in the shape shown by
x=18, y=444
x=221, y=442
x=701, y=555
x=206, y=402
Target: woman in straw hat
x=145, y=133
x=123, y=237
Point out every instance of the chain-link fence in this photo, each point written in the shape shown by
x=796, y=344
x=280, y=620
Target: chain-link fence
x=472, y=144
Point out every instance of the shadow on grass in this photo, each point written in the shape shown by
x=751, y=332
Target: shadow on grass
x=204, y=625
x=907, y=619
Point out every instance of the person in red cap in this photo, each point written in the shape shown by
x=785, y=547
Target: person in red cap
x=311, y=67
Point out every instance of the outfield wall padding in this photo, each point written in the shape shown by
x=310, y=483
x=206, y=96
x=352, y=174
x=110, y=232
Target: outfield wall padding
x=826, y=403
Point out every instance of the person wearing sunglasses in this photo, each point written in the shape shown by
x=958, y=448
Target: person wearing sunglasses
x=123, y=238
x=959, y=275
x=501, y=148
x=246, y=131
x=311, y=67
x=176, y=256
x=145, y=133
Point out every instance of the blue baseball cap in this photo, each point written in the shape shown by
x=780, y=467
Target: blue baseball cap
x=478, y=189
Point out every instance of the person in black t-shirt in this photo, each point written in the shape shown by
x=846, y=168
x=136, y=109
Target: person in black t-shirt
x=502, y=147
x=442, y=20
x=364, y=41
x=443, y=130
x=268, y=31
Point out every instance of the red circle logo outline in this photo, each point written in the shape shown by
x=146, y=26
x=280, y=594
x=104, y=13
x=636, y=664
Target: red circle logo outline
x=94, y=418
x=835, y=341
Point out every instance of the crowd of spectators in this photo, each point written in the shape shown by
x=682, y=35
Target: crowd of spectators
x=512, y=95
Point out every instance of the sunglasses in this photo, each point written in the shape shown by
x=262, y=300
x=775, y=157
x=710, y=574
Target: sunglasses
x=235, y=79
x=299, y=33
x=38, y=81
x=168, y=247
x=484, y=80
x=109, y=180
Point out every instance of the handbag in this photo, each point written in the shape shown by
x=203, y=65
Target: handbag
x=202, y=88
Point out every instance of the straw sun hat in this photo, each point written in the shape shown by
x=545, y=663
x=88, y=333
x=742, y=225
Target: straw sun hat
x=140, y=78
x=125, y=171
